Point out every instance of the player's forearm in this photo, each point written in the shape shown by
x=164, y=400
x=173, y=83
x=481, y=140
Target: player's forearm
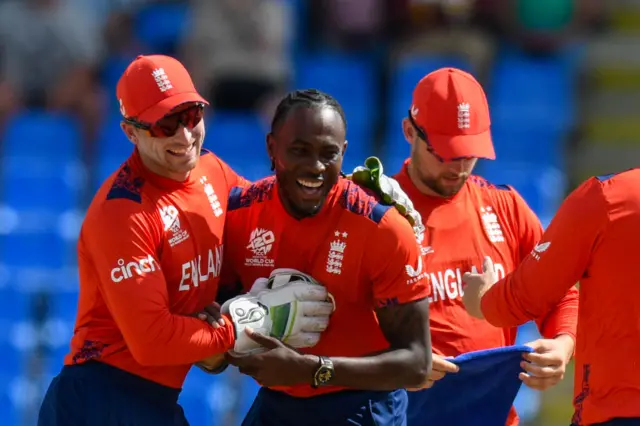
x=396, y=369
x=405, y=364
x=502, y=307
x=563, y=318
x=178, y=340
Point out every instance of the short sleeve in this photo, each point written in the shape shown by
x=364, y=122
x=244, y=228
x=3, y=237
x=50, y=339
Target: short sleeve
x=395, y=262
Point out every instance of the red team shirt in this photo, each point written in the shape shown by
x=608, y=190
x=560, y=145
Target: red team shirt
x=481, y=220
x=359, y=249
x=592, y=239
x=151, y=248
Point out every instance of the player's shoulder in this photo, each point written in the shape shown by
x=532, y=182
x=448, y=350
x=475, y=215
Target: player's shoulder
x=613, y=188
x=625, y=176
x=121, y=198
x=362, y=203
x=212, y=165
x=495, y=192
x=480, y=184
x=252, y=195
x=208, y=160
x=124, y=184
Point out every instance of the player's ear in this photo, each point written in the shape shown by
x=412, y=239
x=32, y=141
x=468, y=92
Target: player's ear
x=408, y=130
x=129, y=132
x=344, y=147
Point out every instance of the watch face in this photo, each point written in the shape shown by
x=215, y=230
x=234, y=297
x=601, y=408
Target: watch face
x=324, y=375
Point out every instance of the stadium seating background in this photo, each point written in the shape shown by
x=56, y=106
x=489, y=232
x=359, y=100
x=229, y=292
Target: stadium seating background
x=46, y=183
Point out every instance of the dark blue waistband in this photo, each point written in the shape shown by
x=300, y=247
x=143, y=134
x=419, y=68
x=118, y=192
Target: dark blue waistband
x=628, y=421
x=107, y=375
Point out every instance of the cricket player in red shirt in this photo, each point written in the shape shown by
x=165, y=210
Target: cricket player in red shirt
x=466, y=217
x=150, y=255
x=309, y=218
x=591, y=239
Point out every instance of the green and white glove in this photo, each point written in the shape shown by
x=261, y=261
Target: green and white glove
x=291, y=306
x=371, y=176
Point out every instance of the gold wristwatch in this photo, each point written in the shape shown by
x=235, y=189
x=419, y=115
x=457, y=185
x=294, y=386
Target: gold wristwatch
x=324, y=373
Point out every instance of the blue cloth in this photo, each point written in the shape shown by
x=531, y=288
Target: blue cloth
x=481, y=393
x=97, y=394
x=352, y=408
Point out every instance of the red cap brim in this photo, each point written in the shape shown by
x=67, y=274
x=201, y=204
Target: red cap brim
x=165, y=106
x=463, y=146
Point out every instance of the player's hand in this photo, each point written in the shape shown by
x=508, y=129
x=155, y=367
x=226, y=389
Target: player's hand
x=547, y=363
x=476, y=285
x=279, y=365
x=371, y=176
x=295, y=308
x=212, y=315
x=440, y=367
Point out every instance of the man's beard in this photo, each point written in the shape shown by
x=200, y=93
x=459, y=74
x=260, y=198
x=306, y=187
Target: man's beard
x=436, y=185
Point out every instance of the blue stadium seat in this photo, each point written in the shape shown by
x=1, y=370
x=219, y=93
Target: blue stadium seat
x=41, y=162
x=34, y=250
x=161, y=26
x=54, y=194
x=408, y=73
x=113, y=149
x=64, y=305
x=249, y=169
x=396, y=149
x=11, y=414
x=16, y=340
x=15, y=304
x=112, y=141
x=236, y=135
x=539, y=145
x=541, y=186
x=353, y=81
x=42, y=134
x=529, y=92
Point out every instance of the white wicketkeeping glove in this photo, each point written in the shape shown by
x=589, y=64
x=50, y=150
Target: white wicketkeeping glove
x=388, y=189
x=290, y=306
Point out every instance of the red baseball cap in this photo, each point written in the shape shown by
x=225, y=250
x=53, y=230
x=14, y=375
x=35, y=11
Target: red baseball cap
x=451, y=108
x=152, y=86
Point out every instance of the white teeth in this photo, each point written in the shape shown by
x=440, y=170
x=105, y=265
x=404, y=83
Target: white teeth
x=182, y=151
x=309, y=184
